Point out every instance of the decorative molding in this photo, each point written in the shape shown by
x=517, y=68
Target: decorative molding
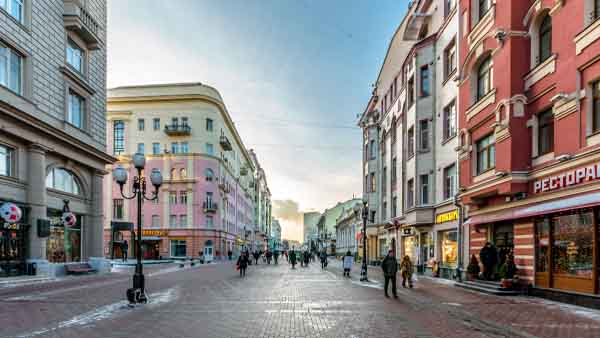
x=564, y=107
x=587, y=37
x=482, y=27
x=76, y=78
x=480, y=105
x=540, y=71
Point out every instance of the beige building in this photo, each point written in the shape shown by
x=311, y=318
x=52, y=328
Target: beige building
x=52, y=131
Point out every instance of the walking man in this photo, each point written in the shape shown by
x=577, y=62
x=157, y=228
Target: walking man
x=390, y=268
x=292, y=258
x=125, y=249
x=406, y=271
x=347, y=263
x=276, y=256
x=242, y=263
x=323, y=257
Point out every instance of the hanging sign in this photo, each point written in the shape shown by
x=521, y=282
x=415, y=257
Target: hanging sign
x=10, y=212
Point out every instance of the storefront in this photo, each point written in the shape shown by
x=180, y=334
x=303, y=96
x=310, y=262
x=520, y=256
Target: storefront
x=64, y=241
x=178, y=247
x=446, y=242
x=409, y=245
x=13, y=243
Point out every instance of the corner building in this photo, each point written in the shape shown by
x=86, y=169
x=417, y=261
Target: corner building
x=207, y=201
x=52, y=132
x=529, y=117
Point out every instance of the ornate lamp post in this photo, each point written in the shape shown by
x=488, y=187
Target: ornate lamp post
x=365, y=215
x=137, y=294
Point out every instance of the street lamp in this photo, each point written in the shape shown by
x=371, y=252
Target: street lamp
x=365, y=215
x=137, y=294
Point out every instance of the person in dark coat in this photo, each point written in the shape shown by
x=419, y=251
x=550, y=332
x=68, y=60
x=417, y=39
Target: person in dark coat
x=269, y=254
x=323, y=257
x=292, y=258
x=306, y=258
x=256, y=257
x=489, y=258
x=229, y=254
x=242, y=263
x=276, y=256
x=125, y=249
x=389, y=265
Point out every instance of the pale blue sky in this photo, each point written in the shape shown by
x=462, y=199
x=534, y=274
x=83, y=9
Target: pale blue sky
x=275, y=62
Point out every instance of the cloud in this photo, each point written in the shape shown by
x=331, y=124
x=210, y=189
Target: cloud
x=286, y=210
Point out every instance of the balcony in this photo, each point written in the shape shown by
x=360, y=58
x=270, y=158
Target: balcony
x=224, y=186
x=78, y=19
x=178, y=130
x=225, y=144
x=210, y=207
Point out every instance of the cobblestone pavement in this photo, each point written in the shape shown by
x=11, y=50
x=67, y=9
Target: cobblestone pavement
x=212, y=301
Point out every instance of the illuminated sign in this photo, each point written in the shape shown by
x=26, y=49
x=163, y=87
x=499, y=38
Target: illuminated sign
x=157, y=233
x=567, y=179
x=447, y=217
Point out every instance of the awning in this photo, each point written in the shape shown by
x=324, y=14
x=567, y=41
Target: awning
x=558, y=205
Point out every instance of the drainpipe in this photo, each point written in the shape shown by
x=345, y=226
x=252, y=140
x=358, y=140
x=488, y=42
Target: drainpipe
x=459, y=264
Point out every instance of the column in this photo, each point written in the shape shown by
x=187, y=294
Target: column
x=94, y=228
x=36, y=198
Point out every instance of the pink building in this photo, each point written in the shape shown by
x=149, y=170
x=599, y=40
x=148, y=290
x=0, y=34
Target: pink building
x=207, y=201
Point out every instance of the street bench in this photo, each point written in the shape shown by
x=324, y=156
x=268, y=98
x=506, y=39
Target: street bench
x=79, y=268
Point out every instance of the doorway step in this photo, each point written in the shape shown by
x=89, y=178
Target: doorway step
x=489, y=287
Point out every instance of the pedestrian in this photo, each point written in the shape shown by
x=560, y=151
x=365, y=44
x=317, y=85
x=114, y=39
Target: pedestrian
x=287, y=258
x=489, y=258
x=306, y=258
x=406, y=271
x=390, y=268
x=269, y=255
x=124, y=250
x=323, y=257
x=242, y=263
x=292, y=259
x=229, y=254
x=347, y=263
x=201, y=257
x=256, y=256
x=276, y=256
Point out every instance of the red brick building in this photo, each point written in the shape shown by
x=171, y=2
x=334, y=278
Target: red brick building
x=529, y=119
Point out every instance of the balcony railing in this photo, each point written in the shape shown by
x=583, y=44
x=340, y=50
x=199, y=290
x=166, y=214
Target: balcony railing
x=210, y=207
x=178, y=130
x=79, y=20
x=225, y=144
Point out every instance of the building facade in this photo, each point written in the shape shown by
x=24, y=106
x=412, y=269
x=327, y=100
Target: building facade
x=326, y=226
x=309, y=228
x=409, y=140
x=529, y=71
x=347, y=232
x=206, y=204
x=52, y=134
x=275, y=235
x=261, y=234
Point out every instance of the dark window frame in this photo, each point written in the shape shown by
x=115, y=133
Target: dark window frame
x=545, y=36
x=545, y=128
x=118, y=137
x=484, y=78
x=489, y=149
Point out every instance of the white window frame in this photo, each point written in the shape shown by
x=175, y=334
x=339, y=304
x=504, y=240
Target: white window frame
x=70, y=113
x=7, y=155
x=75, y=54
x=9, y=55
x=8, y=6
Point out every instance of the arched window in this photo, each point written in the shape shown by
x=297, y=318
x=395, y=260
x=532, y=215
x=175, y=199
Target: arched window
x=545, y=38
x=173, y=174
x=209, y=174
x=63, y=180
x=484, y=78
x=183, y=173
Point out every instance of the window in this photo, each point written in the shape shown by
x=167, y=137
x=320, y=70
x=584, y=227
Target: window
x=141, y=124
x=173, y=197
x=119, y=137
x=174, y=148
x=486, y=154
x=185, y=147
x=596, y=106
x=178, y=248
x=545, y=38
x=394, y=206
x=484, y=7
x=75, y=109
x=449, y=248
x=155, y=148
x=184, y=121
x=173, y=221
x=410, y=92
x=542, y=240
x=209, y=222
x=373, y=182
x=546, y=132
x=156, y=124
x=484, y=79
x=63, y=180
x=596, y=9
x=14, y=8
x=425, y=86
x=572, y=246
x=424, y=189
x=384, y=210
x=141, y=148
x=450, y=59
x=410, y=193
x=11, y=69
x=394, y=173
x=449, y=181
x=183, y=197
x=175, y=121
x=372, y=218
x=6, y=161
x=411, y=142
x=155, y=221
x=182, y=221
x=424, y=126
x=210, y=149
x=209, y=198
x=117, y=208
x=448, y=7
x=209, y=125
x=209, y=174
x=450, y=120
x=373, y=153
x=74, y=56
x=383, y=181
x=183, y=173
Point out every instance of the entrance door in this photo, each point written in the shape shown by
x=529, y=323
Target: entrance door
x=504, y=241
x=208, y=251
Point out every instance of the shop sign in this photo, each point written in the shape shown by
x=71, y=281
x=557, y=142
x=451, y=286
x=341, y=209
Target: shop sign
x=447, y=217
x=567, y=179
x=156, y=233
x=408, y=231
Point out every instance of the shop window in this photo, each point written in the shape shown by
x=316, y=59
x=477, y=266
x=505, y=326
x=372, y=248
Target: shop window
x=6, y=161
x=450, y=120
x=178, y=248
x=486, y=154
x=542, y=248
x=572, y=247
x=63, y=180
x=546, y=132
x=118, y=208
x=449, y=248
x=484, y=78
x=156, y=124
x=545, y=38
x=449, y=181
x=118, y=137
x=64, y=243
x=596, y=106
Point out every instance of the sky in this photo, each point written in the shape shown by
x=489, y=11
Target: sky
x=294, y=75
